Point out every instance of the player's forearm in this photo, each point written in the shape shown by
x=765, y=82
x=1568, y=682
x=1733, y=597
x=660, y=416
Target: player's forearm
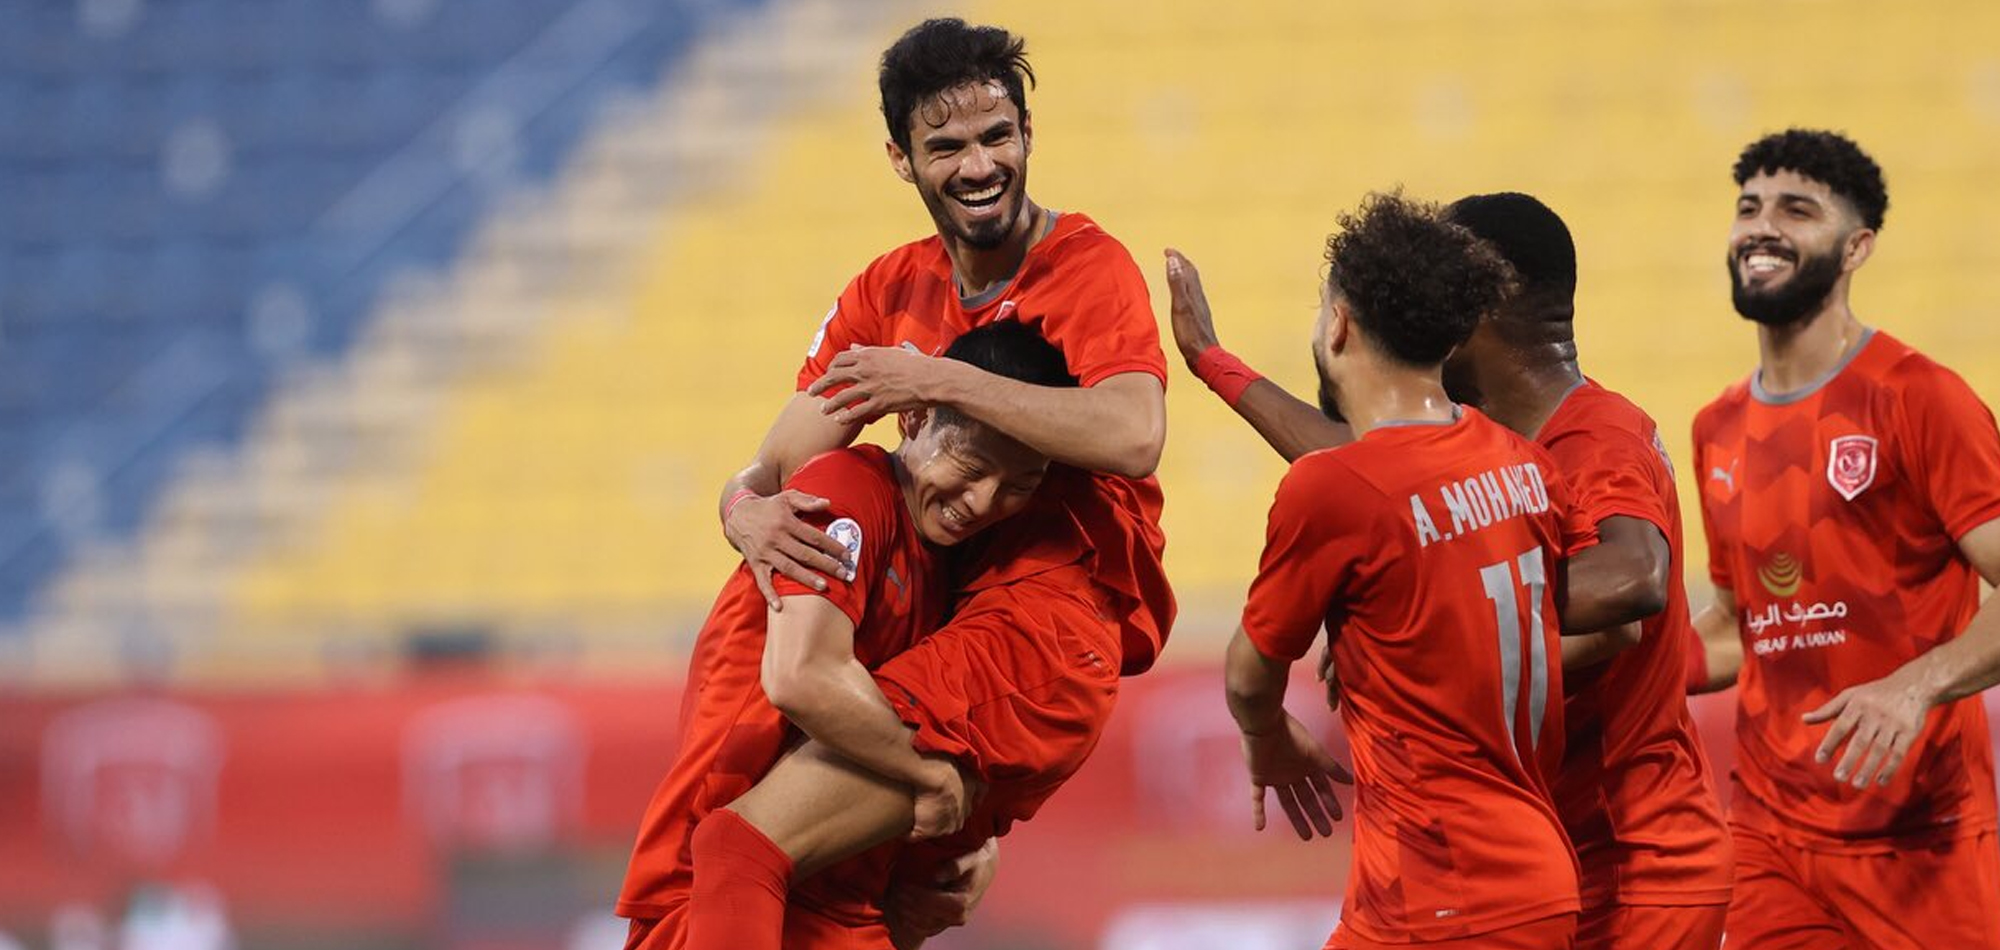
x=1721, y=643
x=839, y=705
x=1968, y=664
x=1256, y=687
x=1290, y=425
x=1620, y=580
x=1118, y=426
x=1591, y=649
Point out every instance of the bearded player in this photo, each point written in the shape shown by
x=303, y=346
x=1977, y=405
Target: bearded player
x=1063, y=599
x=1435, y=573
x=1633, y=789
x=1851, y=495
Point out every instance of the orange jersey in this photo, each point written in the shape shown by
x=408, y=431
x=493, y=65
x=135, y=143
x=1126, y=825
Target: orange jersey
x=730, y=734
x=1079, y=287
x=1431, y=552
x=1833, y=515
x=1634, y=790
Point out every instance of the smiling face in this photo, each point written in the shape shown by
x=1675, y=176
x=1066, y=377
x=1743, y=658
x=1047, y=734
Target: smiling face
x=964, y=476
x=968, y=158
x=1792, y=243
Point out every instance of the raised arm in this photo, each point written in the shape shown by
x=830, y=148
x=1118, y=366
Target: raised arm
x=762, y=523
x=811, y=675
x=1885, y=717
x=1117, y=426
x=1290, y=425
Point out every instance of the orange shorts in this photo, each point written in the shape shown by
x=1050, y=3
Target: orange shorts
x=1651, y=927
x=1791, y=898
x=1548, y=933
x=1017, y=687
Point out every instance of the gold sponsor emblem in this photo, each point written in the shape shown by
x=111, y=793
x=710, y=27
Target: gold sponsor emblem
x=1781, y=575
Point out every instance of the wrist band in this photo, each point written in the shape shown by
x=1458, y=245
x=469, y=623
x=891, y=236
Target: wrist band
x=1224, y=373
x=729, y=506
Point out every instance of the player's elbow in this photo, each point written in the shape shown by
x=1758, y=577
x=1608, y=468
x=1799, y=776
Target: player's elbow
x=1138, y=454
x=795, y=689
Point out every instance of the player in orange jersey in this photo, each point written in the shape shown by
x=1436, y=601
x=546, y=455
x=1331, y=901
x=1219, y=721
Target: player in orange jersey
x=1851, y=495
x=760, y=677
x=1633, y=790
x=1062, y=600
x=1435, y=567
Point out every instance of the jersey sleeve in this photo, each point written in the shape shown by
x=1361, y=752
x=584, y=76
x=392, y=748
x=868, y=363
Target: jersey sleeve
x=1316, y=536
x=1104, y=324
x=1719, y=572
x=853, y=319
x=1613, y=473
x=1950, y=446
x=858, y=515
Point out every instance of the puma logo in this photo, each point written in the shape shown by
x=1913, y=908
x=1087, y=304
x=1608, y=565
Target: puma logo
x=1725, y=476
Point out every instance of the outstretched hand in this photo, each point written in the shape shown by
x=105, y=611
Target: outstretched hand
x=1878, y=721
x=1295, y=764
x=1193, y=324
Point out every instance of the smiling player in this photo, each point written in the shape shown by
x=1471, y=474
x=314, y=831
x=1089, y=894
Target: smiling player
x=1851, y=495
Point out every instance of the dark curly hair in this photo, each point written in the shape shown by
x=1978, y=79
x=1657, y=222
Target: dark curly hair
x=1416, y=282
x=942, y=54
x=1829, y=158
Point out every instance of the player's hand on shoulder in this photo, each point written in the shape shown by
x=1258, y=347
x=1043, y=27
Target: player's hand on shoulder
x=1193, y=324
x=943, y=797
x=875, y=381
x=1878, y=721
x=772, y=538
x=944, y=897
x=1291, y=762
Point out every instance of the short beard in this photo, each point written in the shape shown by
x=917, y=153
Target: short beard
x=1329, y=403
x=1802, y=296
x=986, y=239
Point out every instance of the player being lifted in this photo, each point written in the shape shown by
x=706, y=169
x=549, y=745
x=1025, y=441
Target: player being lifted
x=1434, y=567
x=1061, y=600
x=1851, y=496
x=1633, y=789
x=760, y=676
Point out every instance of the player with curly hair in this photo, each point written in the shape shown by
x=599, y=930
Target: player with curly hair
x=1430, y=548
x=1850, y=489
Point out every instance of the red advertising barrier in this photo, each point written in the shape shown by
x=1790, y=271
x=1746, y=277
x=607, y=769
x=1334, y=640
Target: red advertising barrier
x=478, y=812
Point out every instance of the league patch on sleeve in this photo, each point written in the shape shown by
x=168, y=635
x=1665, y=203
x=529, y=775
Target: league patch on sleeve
x=819, y=338
x=848, y=533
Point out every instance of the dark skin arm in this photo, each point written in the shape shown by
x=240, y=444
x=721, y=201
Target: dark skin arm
x=1292, y=426
x=1618, y=581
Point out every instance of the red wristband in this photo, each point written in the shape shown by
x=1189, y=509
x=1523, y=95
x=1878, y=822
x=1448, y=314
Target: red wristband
x=1224, y=373
x=730, y=506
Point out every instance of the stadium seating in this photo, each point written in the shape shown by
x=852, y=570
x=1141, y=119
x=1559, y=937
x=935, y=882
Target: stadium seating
x=527, y=445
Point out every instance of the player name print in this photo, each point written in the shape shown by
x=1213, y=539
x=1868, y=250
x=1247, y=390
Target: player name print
x=1485, y=499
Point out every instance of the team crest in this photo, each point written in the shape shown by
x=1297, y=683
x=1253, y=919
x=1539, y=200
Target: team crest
x=845, y=531
x=1850, y=465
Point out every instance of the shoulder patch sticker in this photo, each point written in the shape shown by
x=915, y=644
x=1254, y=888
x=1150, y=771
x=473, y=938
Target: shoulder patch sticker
x=819, y=338
x=1850, y=465
x=848, y=533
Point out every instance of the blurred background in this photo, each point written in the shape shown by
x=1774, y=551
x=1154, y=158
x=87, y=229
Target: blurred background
x=369, y=370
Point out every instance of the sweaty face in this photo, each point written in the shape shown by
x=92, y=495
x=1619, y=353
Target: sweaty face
x=966, y=476
x=969, y=158
x=1786, y=249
